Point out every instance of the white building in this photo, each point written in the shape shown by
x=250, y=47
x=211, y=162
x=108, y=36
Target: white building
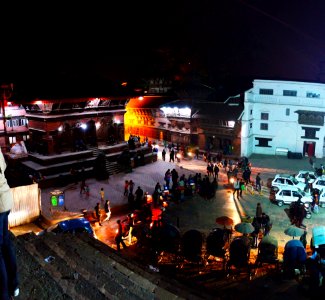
x=284, y=115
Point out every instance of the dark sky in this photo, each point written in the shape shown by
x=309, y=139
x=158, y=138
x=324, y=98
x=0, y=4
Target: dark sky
x=222, y=41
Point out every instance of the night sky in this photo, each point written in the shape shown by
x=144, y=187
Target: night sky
x=221, y=42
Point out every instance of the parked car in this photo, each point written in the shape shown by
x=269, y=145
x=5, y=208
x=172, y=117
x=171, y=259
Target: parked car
x=77, y=225
x=301, y=176
x=319, y=183
x=289, y=194
x=283, y=180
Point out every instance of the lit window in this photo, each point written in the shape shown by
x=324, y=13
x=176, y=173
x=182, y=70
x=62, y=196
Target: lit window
x=231, y=124
x=12, y=139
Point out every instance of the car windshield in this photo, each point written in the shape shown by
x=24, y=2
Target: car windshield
x=295, y=181
x=301, y=192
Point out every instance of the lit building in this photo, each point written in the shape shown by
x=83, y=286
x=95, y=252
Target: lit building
x=282, y=116
x=71, y=124
x=207, y=124
x=13, y=121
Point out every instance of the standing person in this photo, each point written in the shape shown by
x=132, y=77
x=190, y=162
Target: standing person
x=131, y=186
x=257, y=225
x=102, y=195
x=8, y=264
x=216, y=171
x=119, y=236
x=126, y=188
x=139, y=197
x=167, y=178
x=97, y=213
x=87, y=191
x=258, y=212
x=303, y=238
x=172, y=155
x=258, y=183
x=242, y=187
x=163, y=154
x=107, y=208
x=82, y=186
x=236, y=188
x=197, y=152
x=130, y=222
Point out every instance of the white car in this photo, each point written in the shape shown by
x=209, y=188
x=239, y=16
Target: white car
x=301, y=176
x=289, y=194
x=319, y=183
x=283, y=180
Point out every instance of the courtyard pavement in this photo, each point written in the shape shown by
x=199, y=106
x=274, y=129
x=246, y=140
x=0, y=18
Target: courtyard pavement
x=147, y=176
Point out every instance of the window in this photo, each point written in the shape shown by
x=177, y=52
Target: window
x=287, y=111
x=280, y=181
x=12, y=139
x=250, y=125
x=312, y=95
x=264, y=116
x=263, y=142
x=22, y=122
x=295, y=194
x=310, y=133
x=289, y=93
x=286, y=193
x=15, y=122
x=9, y=123
x=264, y=126
x=251, y=112
x=266, y=91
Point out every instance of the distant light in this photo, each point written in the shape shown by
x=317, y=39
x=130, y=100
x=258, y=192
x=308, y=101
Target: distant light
x=83, y=126
x=124, y=83
x=231, y=124
x=175, y=111
x=140, y=98
x=117, y=121
x=60, y=128
x=97, y=125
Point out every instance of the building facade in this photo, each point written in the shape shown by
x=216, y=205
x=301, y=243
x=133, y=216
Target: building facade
x=74, y=124
x=284, y=115
x=212, y=126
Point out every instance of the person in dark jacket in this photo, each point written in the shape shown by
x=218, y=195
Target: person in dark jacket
x=119, y=236
x=97, y=213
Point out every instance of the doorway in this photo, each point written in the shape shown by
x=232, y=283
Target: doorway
x=309, y=149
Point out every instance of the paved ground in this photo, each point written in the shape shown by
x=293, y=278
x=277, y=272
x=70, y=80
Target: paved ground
x=148, y=175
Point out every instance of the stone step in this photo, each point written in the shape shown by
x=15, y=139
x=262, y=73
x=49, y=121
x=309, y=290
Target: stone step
x=84, y=268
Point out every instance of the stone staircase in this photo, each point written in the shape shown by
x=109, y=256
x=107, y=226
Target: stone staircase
x=84, y=268
x=112, y=167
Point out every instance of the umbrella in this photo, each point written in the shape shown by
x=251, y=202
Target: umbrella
x=294, y=231
x=225, y=221
x=293, y=243
x=269, y=239
x=244, y=227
